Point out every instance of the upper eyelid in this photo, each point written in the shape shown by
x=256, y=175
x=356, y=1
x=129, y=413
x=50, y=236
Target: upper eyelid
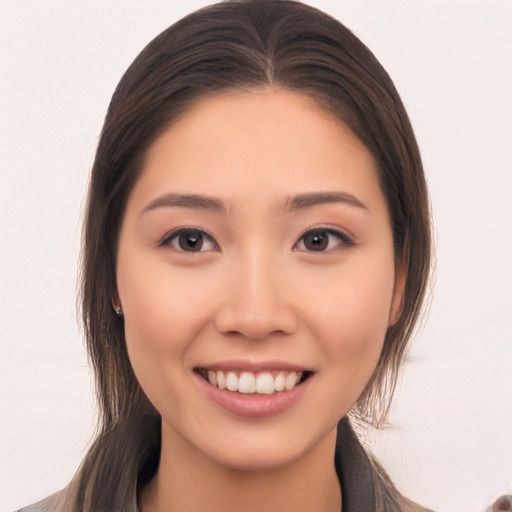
x=170, y=235
x=335, y=231
x=344, y=238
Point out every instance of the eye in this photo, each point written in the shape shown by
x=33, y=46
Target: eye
x=322, y=240
x=189, y=240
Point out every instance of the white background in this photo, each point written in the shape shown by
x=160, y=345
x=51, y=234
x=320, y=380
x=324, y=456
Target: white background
x=451, y=448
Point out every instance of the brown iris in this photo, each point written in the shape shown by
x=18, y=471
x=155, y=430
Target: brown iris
x=316, y=240
x=190, y=240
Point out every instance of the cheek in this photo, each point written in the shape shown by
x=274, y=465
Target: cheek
x=163, y=312
x=162, y=308
x=351, y=316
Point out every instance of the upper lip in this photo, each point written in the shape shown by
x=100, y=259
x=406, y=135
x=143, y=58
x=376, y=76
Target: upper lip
x=253, y=366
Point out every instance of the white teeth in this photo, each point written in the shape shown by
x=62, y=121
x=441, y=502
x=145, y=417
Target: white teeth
x=232, y=381
x=265, y=384
x=291, y=380
x=248, y=382
x=221, y=380
x=279, y=381
x=212, y=377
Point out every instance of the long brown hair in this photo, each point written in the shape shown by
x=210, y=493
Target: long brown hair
x=235, y=45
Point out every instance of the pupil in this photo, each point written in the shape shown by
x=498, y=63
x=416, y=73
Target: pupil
x=316, y=241
x=191, y=241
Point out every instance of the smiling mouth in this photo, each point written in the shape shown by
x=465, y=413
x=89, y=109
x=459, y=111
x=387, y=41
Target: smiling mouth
x=254, y=383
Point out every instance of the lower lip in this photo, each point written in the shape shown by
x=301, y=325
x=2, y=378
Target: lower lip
x=254, y=406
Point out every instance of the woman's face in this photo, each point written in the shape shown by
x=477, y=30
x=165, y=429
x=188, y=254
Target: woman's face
x=256, y=253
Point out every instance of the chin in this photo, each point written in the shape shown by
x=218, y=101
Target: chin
x=263, y=461
x=264, y=453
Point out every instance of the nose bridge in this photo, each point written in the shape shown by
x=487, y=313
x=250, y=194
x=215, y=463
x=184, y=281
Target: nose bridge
x=255, y=302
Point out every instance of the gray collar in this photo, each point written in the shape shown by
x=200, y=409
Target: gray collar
x=354, y=471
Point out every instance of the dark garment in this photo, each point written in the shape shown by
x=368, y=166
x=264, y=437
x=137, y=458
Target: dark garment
x=352, y=466
x=354, y=471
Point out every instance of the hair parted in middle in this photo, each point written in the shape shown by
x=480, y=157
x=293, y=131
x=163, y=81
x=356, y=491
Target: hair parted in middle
x=246, y=46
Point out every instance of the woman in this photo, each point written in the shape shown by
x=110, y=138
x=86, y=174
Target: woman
x=256, y=253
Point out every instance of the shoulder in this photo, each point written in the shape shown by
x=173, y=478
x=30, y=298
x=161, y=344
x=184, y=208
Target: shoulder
x=366, y=475
x=50, y=504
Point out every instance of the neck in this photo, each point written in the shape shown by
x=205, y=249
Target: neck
x=189, y=481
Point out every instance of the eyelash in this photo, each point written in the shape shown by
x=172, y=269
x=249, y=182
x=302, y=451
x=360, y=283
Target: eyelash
x=342, y=238
x=174, y=237
x=322, y=234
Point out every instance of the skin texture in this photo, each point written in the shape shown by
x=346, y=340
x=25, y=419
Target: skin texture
x=255, y=293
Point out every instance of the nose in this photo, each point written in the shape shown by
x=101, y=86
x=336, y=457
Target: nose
x=256, y=301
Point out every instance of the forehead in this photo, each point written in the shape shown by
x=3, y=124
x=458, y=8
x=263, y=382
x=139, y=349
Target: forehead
x=274, y=142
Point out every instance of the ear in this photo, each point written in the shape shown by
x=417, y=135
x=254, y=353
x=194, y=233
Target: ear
x=116, y=304
x=397, y=302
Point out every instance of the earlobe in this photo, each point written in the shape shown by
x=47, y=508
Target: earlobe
x=116, y=304
x=396, y=312
x=397, y=304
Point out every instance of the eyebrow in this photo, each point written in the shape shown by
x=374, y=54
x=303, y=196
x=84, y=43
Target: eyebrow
x=298, y=202
x=318, y=198
x=193, y=201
